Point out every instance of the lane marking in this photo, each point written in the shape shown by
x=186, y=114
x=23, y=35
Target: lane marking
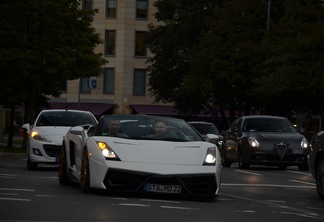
x=179, y=208
x=17, y=189
x=303, y=182
x=298, y=172
x=162, y=201
x=132, y=205
x=301, y=211
x=268, y=185
x=248, y=172
x=15, y=199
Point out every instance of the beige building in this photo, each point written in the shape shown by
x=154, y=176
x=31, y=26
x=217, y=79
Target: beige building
x=122, y=87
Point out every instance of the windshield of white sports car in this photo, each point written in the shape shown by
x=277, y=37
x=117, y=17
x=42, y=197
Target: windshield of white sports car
x=65, y=118
x=146, y=128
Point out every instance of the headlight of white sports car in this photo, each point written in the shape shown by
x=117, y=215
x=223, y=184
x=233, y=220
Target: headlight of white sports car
x=37, y=136
x=106, y=151
x=210, y=158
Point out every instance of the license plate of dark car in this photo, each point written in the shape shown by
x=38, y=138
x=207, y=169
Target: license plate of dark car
x=162, y=188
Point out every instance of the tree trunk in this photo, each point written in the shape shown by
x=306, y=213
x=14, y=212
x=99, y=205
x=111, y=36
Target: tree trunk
x=11, y=127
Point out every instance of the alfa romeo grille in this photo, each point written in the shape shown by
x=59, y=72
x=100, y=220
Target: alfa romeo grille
x=282, y=148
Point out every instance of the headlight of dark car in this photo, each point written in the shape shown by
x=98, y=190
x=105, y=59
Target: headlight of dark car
x=253, y=142
x=304, y=143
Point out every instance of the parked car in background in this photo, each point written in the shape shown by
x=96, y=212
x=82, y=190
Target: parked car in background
x=205, y=128
x=316, y=161
x=264, y=140
x=45, y=136
x=129, y=153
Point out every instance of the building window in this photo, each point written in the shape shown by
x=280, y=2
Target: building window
x=110, y=42
x=87, y=4
x=63, y=86
x=141, y=9
x=140, y=46
x=84, y=85
x=139, y=84
x=111, y=8
x=109, y=80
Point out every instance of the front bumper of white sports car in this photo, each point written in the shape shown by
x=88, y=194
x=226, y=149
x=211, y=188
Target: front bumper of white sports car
x=138, y=177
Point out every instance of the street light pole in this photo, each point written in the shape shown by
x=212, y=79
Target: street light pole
x=268, y=17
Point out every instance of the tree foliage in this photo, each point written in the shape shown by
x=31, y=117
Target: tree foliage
x=220, y=55
x=44, y=44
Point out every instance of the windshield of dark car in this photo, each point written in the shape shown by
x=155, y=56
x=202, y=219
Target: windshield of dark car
x=205, y=128
x=143, y=128
x=65, y=118
x=268, y=125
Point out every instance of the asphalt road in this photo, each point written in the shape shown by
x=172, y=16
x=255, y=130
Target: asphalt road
x=256, y=194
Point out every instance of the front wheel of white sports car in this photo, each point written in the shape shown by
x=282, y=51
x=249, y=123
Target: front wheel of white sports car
x=62, y=170
x=85, y=173
x=320, y=178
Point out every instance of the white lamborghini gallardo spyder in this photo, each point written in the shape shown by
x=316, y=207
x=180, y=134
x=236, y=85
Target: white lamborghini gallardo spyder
x=126, y=153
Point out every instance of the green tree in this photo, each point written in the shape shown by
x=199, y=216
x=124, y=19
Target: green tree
x=221, y=55
x=292, y=75
x=43, y=44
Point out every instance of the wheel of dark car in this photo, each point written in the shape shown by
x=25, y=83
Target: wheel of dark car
x=225, y=162
x=303, y=167
x=282, y=166
x=241, y=163
x=62, y=170
x=320, y=178
x=30, y=165
x=85, y=173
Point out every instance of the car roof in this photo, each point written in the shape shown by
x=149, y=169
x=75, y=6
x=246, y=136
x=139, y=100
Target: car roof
x=201, y=122
x=263, y=117
x=67, y=110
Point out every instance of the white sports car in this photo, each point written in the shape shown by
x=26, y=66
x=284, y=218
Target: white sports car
x=177, y=161
x=45, y=136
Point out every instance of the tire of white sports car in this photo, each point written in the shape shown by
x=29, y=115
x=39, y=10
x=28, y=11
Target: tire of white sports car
x=85, y=173
x=62, y=171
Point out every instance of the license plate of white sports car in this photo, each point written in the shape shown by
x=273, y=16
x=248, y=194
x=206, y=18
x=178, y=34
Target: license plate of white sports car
x=162, y=188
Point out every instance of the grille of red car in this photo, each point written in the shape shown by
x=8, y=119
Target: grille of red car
x=281, y=148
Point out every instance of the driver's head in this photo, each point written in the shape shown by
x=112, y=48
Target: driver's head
x=160, y=127
x=113, y=126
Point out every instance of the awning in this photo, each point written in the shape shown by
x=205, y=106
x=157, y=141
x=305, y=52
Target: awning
x=154, y=110
x=97, y=109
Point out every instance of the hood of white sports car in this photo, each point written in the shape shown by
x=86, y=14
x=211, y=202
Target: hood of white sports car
x=54, y=133
x=164, y=152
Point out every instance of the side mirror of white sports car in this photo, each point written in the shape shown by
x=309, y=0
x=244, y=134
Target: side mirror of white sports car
x=77, y=130
x=213, y=138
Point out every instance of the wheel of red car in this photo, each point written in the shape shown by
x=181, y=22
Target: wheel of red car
x=85, y=173
x=303, y=167
x=320, y=178
x=62, y=170
x=241, y=163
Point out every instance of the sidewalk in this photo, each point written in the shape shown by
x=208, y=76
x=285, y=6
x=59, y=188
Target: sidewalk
x=18, y=146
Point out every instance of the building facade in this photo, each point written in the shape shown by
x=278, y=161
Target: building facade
x=122, y=87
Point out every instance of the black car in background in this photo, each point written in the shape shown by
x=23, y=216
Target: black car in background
x=264, y=140
x=316, y=161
